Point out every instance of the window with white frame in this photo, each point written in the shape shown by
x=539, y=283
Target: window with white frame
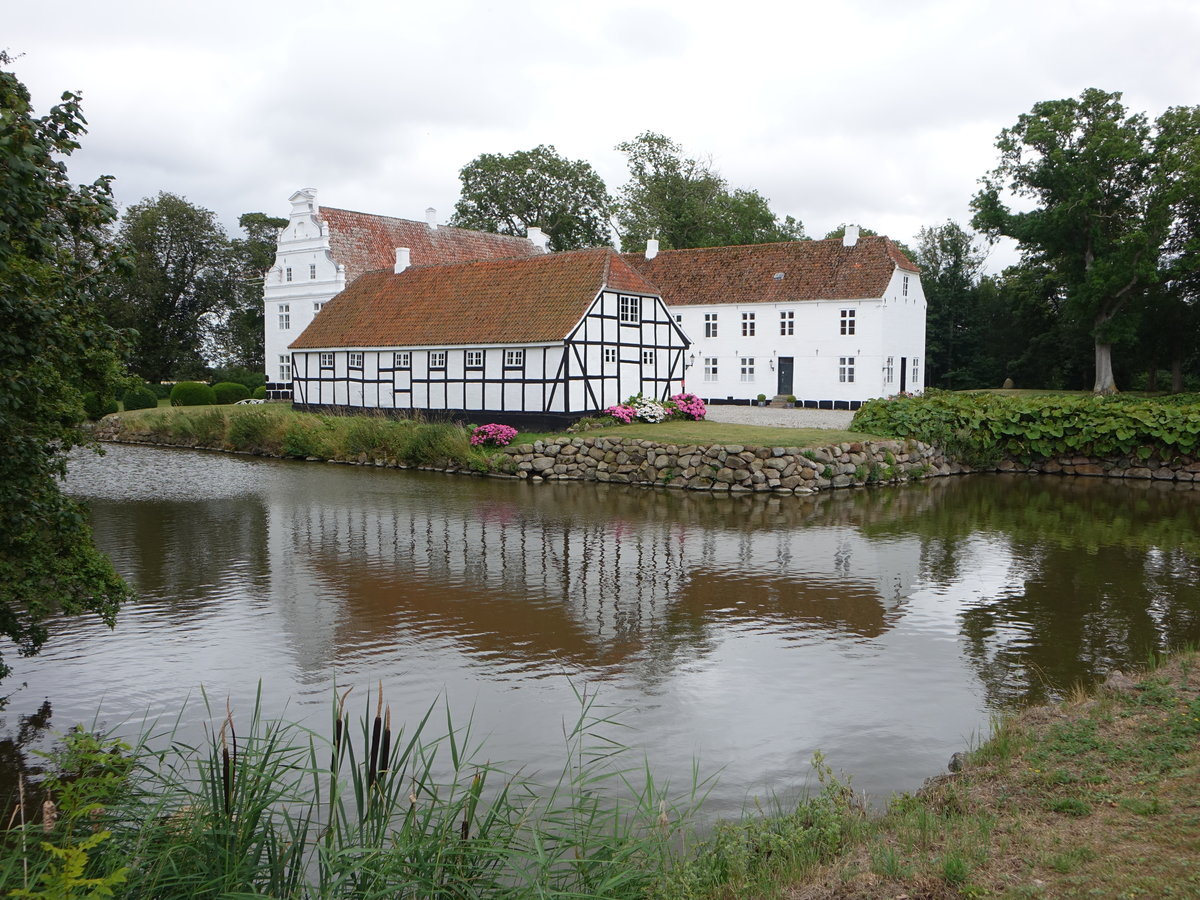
x=889, y=370
x=514, y=359
x=402, y=359
x=312, y=271
x=287, y=273
x=437, y=359
x=747, y=368
x=904, y=286
x=355, y=359
x=285, y=368
x=847, y=321
x=710, y=368
x=610, y=354
x=630, y=308
x=846, y=369
x=678, y=319
x=326, y=360
x=285, y=316
x=710, y=325
x=916, y=372
x=647, y=357
x=747, y=324
x=787, y=322
x=317, y=304
x=474, y=359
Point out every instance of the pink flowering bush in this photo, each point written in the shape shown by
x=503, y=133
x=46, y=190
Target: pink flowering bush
x=492, y=435
x=690, y=406
x=623, y=413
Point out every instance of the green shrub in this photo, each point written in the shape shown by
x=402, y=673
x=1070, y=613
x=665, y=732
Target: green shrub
x=161, y=391
x=192, y=393
x=306, y=437
x=260, y=392
x=255, y=430
x=97, y=407
x=230, y=392
x=249, y=377
x=139, y=398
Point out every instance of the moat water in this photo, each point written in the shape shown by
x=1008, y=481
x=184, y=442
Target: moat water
x=883, y=627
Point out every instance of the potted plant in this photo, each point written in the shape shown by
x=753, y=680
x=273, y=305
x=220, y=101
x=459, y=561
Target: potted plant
x=791, y=401
x=762, y=399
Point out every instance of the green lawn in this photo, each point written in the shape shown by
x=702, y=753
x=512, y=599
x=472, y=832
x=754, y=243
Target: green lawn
x=688, y=432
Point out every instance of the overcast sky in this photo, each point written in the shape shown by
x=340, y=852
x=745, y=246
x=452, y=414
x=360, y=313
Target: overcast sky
x=879, y=113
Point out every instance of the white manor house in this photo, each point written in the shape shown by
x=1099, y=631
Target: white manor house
x=466, y=322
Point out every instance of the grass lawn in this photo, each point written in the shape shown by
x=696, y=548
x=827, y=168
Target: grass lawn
x=705, y=433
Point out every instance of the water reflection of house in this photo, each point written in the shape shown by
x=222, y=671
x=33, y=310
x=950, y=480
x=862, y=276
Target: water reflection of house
x=544, y=580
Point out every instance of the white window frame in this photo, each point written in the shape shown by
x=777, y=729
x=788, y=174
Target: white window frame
x=325, y=360
x=437, y=359
x=848, y=321
x=748, y=324
x=647, y=357
x=710, y=325
x=747, y=368
x=889, y=370
x=846, y=369
x=514, y=359
x=354, y=359
x=474, y=359
x=317, y=304
x=710, y=368
x=916, y=371
x=285, y=317
x=285, y=367
x=904, y=286
x=787, y=323
x=312, y=271
x=402, y=359
x=287, y=274
x=610, y=354
x=629, y=308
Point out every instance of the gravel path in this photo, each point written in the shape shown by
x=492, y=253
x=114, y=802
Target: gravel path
x=792, y=418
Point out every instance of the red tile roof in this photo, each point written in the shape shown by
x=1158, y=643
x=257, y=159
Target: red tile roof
x=812, y=270
x=363, y=242
x=513, y=301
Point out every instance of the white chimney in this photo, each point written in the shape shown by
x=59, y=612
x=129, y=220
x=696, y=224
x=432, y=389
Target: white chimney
x=538, y=238
x=431, y=218
x=402, y=259
x=850, y=238
x=651, y=248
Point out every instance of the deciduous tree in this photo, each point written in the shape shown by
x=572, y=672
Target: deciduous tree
x=236, y=338
x=53, y=348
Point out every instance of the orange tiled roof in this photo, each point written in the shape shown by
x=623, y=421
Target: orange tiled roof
x=363, y=242
x=510, y=301
x=812, y=270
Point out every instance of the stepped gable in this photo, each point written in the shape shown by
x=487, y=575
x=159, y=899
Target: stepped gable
x=812, y=270
x=363, y=242
x=512, y=301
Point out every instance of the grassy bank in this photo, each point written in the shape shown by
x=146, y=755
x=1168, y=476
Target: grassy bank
x=276, y=429
x=1096, y=796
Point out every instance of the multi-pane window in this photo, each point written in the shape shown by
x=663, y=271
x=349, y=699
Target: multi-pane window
x=904, y=286
x=847, y=321
x=610, y=354
x=326, y=360
x=889, y=370
x=747, y=324
x=356, y=360
x=710, y=368
x=437, y=359
x=312, y=271
x=710, y=325
x=916, y=372
x=630, y=309
x=317, y=304
x=287, y=273
x=748, y=368
x=285, y=316
x=647, y=357
x=787, y=322
x=515, y=359
x=402, y=359
x=285, y=368
x=845, y=368
x=474, y=359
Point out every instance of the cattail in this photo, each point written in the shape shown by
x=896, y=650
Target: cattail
x=472, y=801
x=376, y=728
x=49, y=815
x=338, y=727
x=228, y=760
x=385, y=748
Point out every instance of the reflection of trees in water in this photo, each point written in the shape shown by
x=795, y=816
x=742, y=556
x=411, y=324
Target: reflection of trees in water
x=1108, y=574
x=15, y=763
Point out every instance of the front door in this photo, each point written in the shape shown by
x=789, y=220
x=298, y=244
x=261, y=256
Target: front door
x=903, y=374
x=785, y=376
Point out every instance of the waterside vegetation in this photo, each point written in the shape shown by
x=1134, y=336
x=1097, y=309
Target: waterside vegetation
x=1074, y=799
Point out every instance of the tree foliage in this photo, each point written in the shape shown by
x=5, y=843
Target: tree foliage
x=236, y=336
x=1101, y=189
x=176, y=283
x=951, y=263
x=509, y=194
x=53, y=348
x=683, y=203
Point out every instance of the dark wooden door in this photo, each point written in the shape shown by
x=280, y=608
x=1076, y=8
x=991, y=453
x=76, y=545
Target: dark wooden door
x=785, y=376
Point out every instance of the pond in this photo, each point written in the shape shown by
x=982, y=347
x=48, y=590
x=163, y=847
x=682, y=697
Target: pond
x=882, y=627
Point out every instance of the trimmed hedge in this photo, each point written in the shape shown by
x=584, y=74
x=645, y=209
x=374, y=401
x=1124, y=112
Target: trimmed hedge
x=983, y=428
x=230, y=392
x=192, y=393
x=139, y=398
x=260, y=392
